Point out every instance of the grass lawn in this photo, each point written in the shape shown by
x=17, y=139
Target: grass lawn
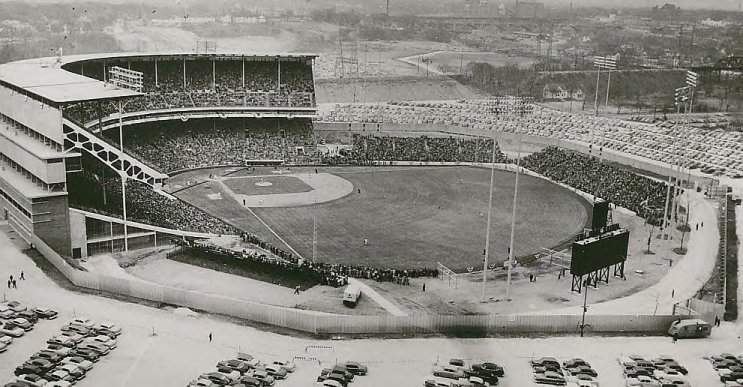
x=414, y=217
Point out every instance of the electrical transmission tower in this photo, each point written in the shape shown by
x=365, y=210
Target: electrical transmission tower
x=347, y=60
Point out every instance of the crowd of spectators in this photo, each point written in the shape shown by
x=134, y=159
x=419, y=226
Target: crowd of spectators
x=438, y=149
x=87, y=191
x=324, y=273
x=177, y=145
x=711, y=151
x=626, y=189
x=206, y=85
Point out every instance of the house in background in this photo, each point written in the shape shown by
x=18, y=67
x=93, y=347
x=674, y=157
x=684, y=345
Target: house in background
x=560, y=92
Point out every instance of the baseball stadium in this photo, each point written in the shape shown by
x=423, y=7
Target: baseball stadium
x=216, y=172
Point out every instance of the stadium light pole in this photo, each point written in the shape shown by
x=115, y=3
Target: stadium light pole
x=521, y=109
x=490, y=210
x=123, y=175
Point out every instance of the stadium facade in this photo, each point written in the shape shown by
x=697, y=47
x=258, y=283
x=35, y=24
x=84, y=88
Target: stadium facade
x=55, y=110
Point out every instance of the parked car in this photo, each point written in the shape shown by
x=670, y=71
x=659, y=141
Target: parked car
x=15, y=306
x=5, y=339
x=250, y=381
x=86, y=354
x=101, y=339
x=642, y=381
x=338, y=378
x=449, y=372
x=58, y=348
x=52, y=356
x=99, y=348
x=3, y=347
x=43, y=364
x=28, y=315
x=692, y=328
x=84, y=321
x=354, y=368
x=733, y=376
x=23, y=323
x=61, y=340
x=549, y=377
x=276, y=371
x=109, y=329
x=61, y=375
x=11, y=329
x=46, y=313
x=73, y=370
x=59, y=383
x=79, y=362
x=201, y=383
x=28, y=369
x=263, y=376
x=77, y=329
x=217, y=378
x=288, y=365
x=329, y=383
x=6, y=312
x=491, y=367
x=33, y=379
x=233, y=365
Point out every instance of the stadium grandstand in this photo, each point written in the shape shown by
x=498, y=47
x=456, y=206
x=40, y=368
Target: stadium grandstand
x=65, y=169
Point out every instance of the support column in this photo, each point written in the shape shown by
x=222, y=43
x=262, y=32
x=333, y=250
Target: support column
x=156, y=79
x=278, y=85
x=214, y=75
x=184, y=74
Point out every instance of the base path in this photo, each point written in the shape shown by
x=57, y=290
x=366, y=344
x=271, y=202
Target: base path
x=383, y=302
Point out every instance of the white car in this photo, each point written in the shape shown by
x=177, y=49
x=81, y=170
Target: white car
x=105, y=340
x=59, y=383
x=108, y=329
x=84, y=321
x=34, y=380
x=71, y=369
x=3, y=347
x=79, y=362
x=642, y=381
x=59, y=349
x=62, y=340
x=5, y=339
x=13, y=332
x=329, y=383
x=288, y=365
x=6, y=312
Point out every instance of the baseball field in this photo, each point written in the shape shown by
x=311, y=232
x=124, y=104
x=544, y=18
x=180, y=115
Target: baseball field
x=410, y=217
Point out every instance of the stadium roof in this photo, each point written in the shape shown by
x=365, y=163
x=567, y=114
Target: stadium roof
x=45, y=77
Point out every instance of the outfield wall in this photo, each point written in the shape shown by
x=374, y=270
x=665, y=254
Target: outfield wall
x=323, y=323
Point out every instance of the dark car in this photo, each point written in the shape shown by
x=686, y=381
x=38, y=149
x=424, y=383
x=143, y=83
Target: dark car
x=492, y=367
x=26, y=369
x=355, y=368
x=42, y=364
x=30, y=316
x=546, y=361
x=250, y=381
x=46, y=313
x=51, y=356
x=18, y=383
x=334, y=376
x=583, y=370
x=733, y=376
x=217, y=378
x=86, y=354
x=577, y=362
x=457, y=362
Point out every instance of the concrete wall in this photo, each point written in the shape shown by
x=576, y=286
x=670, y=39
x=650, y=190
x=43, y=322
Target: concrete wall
x=43, y=118
x=78, y=233
x=47, y=172
x=51, y=223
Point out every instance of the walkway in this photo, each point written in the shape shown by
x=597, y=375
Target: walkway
x=383, y=302
x=681, y=282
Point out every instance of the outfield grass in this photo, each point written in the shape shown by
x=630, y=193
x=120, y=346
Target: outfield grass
x=414, y=217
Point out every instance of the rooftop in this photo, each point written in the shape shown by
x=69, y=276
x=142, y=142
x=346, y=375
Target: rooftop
x=45, y=77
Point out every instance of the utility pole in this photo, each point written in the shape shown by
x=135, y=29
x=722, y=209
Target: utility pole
x=314, y=239
x=583, y=324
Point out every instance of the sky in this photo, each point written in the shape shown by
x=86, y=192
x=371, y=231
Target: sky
x=728, y=5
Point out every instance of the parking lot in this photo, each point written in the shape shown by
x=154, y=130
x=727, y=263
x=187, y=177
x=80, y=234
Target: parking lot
x=180, y=349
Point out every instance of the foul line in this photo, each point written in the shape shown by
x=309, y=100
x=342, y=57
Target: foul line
x=274, y=233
